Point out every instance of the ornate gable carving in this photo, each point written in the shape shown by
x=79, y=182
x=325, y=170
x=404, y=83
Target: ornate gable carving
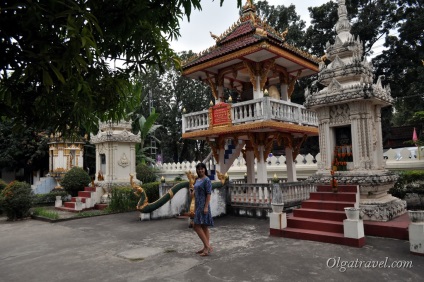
x=337, y=63
x=334, y=86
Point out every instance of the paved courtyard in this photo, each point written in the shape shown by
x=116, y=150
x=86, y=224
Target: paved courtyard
x=118, y=247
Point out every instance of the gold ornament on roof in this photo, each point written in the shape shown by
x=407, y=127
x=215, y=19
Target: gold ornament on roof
x=284, y=33
x=214, y=36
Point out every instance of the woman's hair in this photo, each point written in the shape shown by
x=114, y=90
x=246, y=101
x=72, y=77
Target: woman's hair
x=202, y=165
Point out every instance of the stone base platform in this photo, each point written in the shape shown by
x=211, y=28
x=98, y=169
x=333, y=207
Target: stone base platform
x=382, y=210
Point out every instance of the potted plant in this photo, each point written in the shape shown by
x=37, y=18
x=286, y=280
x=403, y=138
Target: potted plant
x=416, y=216
x=352, y=213
x=277, y=203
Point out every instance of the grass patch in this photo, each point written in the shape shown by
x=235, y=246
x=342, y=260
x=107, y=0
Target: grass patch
x=40, y=211
x=92, y=213
x=169, y=251
x=136, y=259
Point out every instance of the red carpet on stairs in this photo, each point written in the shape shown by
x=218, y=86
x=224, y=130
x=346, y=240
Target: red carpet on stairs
x=321, y=217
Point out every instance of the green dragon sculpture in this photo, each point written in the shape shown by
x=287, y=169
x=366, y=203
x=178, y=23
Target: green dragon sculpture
x=143, y=204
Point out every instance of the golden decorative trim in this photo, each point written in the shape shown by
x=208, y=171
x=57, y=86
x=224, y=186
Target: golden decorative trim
x=214, y=150
x=284, y=34
x=299, y=57
x=292, y=57
x=291, y=84
x=297, y=146
x=234, y=55
x=265, y=68
x=283, y=75
x=268, y=147
x=262, y=139
x=261, y=32
x=217, y=145
x=219, y=107
x=212, y=86
x=191, y=179
x=252, y=73
x=171, y=194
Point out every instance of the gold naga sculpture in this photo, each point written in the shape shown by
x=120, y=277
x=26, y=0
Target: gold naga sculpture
x=191, y=180
x=144, y=206
x=222, y=177
x=139, y=192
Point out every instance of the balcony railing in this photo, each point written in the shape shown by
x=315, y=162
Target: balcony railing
x=261, y=109
x=260, y=195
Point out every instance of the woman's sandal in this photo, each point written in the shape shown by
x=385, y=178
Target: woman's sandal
x=200, y=252
x=204, y=254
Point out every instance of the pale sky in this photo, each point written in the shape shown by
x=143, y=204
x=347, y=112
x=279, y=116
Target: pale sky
x=195, y=34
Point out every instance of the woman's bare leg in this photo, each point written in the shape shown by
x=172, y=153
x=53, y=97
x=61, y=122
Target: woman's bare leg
x=206, y=232
x=205, y=240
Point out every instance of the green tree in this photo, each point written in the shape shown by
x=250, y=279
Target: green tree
x=402, y=63
x=54, y=61
x=147, y=127
x=181, y=95
x=25, y=149
x=281, y=18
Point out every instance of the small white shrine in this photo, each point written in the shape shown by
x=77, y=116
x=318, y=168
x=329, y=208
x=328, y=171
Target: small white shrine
x=349, y=113
x=64, y=155
x=115, y=153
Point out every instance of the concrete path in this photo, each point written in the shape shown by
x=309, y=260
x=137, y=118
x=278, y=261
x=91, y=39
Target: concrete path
x=118, y=247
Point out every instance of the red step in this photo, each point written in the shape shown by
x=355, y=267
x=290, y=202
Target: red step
x=322, y=236
x=320, y=214
x=327, y=205
x=315, y=224
x=330, y=196
x=69, y=205
x=91, y=189
x=67, y=209
x=86, y=194
x=321, y=217
x=340, y=188
x=83, y=199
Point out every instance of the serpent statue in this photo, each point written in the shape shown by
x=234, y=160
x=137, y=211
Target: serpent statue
x=143, y=204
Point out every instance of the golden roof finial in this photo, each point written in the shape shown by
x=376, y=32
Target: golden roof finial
x=214, y=36
x=284, y=33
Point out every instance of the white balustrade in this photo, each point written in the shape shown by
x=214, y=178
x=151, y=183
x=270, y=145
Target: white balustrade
x=259, y=195
x=255, y=110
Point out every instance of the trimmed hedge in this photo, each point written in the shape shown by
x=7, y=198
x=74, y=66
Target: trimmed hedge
x=411, y=181
x=16, y=200
x=75, y=180
x=48, y=199
x=146, y=174
x=122, y=199
x=152, y=191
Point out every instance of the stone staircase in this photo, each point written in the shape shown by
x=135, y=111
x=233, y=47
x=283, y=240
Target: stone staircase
x=321, y=217
x=86, y=200
x=44, y=185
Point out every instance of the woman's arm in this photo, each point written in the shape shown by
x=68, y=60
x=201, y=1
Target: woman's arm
x=206, y=208
x=208, y=196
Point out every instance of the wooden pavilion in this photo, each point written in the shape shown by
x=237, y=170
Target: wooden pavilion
x=253, y=60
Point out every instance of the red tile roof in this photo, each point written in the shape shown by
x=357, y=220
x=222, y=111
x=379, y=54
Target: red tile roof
x=249, y=30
